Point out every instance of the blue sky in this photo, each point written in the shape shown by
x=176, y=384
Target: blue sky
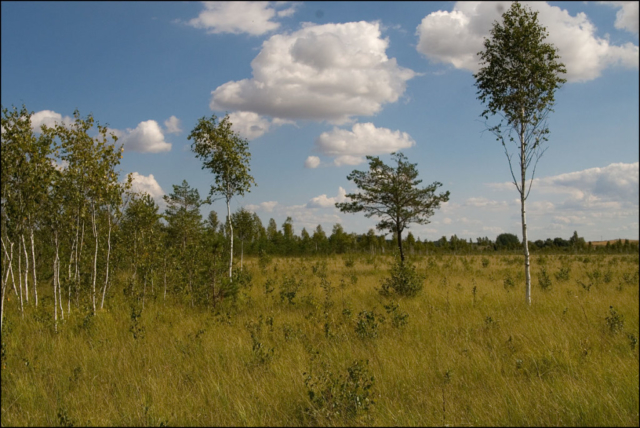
x=316, y=86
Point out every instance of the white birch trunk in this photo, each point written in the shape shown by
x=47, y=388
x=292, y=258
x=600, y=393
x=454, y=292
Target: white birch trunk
x=78, y=257
x=56, y=281
x=525, y=243
x=4, y=287
x=231, y=239
x=106, y=279
x=13, y=281
x=95, y=261
x=33, y=256
x=6, y=279
x=20, y=277
x=26, y=269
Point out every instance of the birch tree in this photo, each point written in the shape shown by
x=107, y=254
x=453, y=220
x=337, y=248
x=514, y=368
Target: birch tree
x=226, y=155
x=517, y=81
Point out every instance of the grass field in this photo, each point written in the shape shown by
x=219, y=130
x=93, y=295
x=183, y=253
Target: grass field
x=312, y=342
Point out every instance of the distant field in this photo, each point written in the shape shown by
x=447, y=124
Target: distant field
x=613, y=241
x=311, y=342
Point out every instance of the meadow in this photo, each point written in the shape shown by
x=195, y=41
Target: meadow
x=311, y=341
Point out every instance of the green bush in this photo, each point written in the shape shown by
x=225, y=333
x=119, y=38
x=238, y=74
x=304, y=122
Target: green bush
x=544, y=280
x=339, y=398
x=404, y=280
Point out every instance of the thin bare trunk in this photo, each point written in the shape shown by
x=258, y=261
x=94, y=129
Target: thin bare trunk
x=231, y=240
x=525, y=244
x=4, y=288
x=78, y=257
x=165, y=277
x=60, y=292
x=6, y=279
x=56, y=281
x=20, y=277
x=106, y=279
x=95, y=260
x=10, y=257
x=144, y=290
x=33, y=256
x=26, y=269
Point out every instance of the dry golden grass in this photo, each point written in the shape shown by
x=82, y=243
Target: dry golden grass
x=472, y=352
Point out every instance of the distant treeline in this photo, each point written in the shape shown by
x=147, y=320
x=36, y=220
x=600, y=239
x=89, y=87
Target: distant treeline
x=285, y=242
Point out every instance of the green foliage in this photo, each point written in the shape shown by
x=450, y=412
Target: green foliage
x=508, y=283
x=261, y=353
x=515, y=55
x=507, y=241
x=544, y=280
x=264, y=260
x=349, y=261
x=224, y=153
x=289, y=288
x=398, y=318
x=367, y=324
x=563, y=273
x=393, y=195
x=404, y=280
x=615, y=321
x=339, y=398
x=136, y=329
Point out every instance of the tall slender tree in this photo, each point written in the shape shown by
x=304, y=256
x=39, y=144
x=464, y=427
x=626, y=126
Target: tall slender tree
x=227, y=156
x=518, y=79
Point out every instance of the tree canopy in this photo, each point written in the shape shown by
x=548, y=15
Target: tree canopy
x=393, y=195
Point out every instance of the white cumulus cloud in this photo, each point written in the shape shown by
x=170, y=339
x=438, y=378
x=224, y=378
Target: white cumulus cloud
x=172, y=125
x=455, y=37
x=252, y=17
x=627, y=15
x=249, y=124
x=325, y=72
x=323, y=201
x=312, y=162
x=49, y=118
x=148, y=184
x=147, y=137
x=617, y=183
x=350, y=147
x=610, y=187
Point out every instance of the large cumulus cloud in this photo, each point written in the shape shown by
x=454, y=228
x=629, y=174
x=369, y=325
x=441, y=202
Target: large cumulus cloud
x=328, y=72
x=455, y=37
